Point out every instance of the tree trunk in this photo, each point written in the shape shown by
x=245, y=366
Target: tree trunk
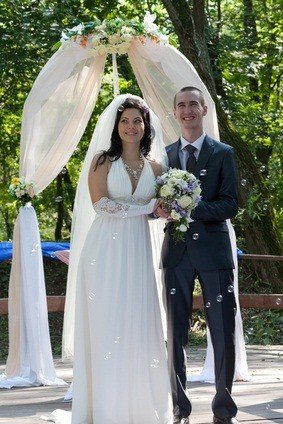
x=263, y=152
x=63, y=217
x=70, y=191
x=213, y=51
x=8, y=225
x=251, y=40
x=60, y=207
x=259, y=233
x=271, y=51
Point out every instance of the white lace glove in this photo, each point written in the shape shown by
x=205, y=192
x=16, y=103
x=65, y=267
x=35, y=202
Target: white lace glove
x=108, y=207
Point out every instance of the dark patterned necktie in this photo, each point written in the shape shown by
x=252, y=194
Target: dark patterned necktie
x=191, y=162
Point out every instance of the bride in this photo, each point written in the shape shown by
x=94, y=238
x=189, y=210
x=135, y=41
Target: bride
x=120, y=368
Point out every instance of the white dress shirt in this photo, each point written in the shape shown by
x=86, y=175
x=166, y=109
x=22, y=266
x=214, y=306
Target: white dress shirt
x=184, y=154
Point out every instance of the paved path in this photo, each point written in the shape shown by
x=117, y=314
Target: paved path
x=259, y=401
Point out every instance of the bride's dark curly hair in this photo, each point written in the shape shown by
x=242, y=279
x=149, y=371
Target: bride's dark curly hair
x=116, y=149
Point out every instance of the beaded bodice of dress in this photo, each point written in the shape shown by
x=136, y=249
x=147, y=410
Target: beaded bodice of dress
x=120, y=187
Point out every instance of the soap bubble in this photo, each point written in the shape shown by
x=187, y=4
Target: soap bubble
x=108, y=355
x=91, y=296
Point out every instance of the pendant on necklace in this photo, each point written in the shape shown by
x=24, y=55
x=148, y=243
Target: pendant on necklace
x=135, y=173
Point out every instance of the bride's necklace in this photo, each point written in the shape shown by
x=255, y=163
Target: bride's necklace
x=135, y=173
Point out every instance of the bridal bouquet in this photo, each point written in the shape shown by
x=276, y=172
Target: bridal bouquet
x=21, y=189
x=180, y=194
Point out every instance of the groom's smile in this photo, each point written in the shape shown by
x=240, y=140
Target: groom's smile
x=189, y=111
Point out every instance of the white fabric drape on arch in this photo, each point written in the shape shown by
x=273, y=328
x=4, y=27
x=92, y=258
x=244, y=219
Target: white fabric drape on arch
x=55, y=115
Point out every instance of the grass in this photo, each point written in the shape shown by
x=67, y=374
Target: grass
x=260, y=328
x=55, y=329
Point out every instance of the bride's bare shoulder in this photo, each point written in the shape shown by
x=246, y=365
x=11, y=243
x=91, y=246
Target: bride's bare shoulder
x=100, y=162
x=156, y=167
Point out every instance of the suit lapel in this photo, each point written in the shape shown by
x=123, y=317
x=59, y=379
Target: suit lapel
x=205, y=153
x=173, y=155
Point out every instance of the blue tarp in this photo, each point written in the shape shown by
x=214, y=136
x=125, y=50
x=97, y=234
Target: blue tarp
x=48, y=249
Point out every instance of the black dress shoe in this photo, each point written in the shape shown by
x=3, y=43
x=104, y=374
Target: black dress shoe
x=224, y=420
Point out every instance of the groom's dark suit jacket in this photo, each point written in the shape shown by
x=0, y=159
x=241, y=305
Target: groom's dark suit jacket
x=207, y=240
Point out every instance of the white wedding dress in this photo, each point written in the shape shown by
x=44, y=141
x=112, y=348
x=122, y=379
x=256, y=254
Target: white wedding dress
x=120, y=364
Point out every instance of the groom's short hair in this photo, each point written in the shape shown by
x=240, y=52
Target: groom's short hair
x=190, y=88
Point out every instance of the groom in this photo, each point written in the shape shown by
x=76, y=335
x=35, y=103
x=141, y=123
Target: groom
x=205, y=253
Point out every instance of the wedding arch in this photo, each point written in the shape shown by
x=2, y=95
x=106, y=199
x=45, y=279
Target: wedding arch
x=55, y=116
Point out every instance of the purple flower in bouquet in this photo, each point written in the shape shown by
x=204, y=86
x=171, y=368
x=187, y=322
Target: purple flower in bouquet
x=160, y=181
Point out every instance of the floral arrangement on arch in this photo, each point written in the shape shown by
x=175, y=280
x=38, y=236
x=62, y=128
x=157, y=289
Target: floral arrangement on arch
x=21, y=189
x=114, y=35
x=180, y=193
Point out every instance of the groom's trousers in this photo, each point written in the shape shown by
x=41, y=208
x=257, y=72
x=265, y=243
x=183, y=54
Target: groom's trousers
x=220, y=310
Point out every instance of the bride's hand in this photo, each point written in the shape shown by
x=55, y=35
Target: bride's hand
x=160, y=211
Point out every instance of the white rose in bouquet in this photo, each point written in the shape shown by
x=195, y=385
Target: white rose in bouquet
x=175, y=215
x=185, y=201
x=166, y=191
x=183, y=228
x=197, y=191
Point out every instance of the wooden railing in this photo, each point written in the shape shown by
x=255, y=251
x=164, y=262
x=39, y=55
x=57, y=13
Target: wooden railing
x=254, y=257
